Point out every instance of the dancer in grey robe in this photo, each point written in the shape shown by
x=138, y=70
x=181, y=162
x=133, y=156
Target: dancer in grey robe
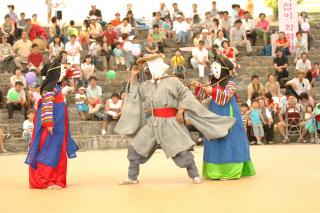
x=171, y=105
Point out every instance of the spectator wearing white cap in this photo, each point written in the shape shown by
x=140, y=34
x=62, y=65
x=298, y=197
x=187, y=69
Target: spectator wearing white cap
x=95, y=28
x=180, y=29
x=206, y=39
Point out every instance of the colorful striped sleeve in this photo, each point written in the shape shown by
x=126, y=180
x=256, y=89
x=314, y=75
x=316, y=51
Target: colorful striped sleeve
x=223, y=95
x=47, y=109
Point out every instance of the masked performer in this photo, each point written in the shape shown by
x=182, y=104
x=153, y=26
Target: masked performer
x=170, y=104
x=51, y=140
x=228, y=157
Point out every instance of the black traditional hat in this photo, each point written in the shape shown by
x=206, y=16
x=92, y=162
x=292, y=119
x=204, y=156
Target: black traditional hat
x=52, y=73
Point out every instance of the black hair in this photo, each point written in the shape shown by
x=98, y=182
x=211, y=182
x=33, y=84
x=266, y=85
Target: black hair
x=262, y=14
x=244, y=105
x=201, y=42
x=17, y=68
x=18, y=83
x=268, y=95
x=7, y=16
x=34, y=45
x=73, y=36
x=155, y=26
x=11, y=5
x=298, y=33
x=254, y=100
x=225, y=41
x=316, y=63
x=30, y=111
x=124, y=36
x=225, y=12
x=53, y=19
x=125, y=19
x=92, y=78
x=178, y=49
x=304, y=95
x=255, y=95
x=196, y=19
x=254, y=76
x=238, y=21
x=115, y=95
x=87, y=56
x=71, y=23
x=22, y=14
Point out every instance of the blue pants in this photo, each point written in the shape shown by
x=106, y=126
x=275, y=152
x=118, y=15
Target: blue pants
x=182, y=37
x=82, y=108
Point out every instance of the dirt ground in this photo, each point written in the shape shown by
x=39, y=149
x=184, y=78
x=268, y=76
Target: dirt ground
x=287, y=181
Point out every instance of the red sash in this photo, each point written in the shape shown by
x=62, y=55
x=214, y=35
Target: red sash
x=165, y=112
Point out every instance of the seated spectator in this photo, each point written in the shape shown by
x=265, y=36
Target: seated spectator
x=263, y=28
x=308, y=118
x=18, y=104
x=180, y=29
x=267, y=121
x=28, y=127
x=72, y=30
x=34, y=19
x=239, y=12
x=200, y=58
x=226, y=24
x=36, y=31
x=164, y=11
x=305, y=100
x=132, y=21
x=117, y=21
x=149, y=46
x=280, y=63
x=55, y=47
x=87, y=68
x=97, y=13
x=176, y=12
x=119, y=57
x=95, y=28
x=12, y=14
x=95, y=49
x=84, y=36
x=255, y=87
x=273, y=86
x=111, y=35
x=196, y=39
x=6, y=55
x=299, y=84
x=81, y=102
x=94, y=93
x=54, y=29
x=21, y=24
x=299, y=46
x=106, y=53
x=177, y=62
x=125, y=27
x=112, y=111
x=22, y=48
x=2, y=137
x=238, y=37
x=304, y=64
x=195, y=25
x=207, y=22
x=127, y=48
x=249, y=26
x=291, y=106
x=283, y=44
x=73, y=48
x=157, y=20
x=35, y=59
x=214, y=11
x=303, y=19
x=159, y=37
x=206, y=39
x=8, y=29
x=256, y=121
x=315, y=74
x=220, y=38
x=18, y=76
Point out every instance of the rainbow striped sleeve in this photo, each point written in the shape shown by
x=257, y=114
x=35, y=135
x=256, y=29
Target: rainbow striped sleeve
x=223, y=95
x=47, y=109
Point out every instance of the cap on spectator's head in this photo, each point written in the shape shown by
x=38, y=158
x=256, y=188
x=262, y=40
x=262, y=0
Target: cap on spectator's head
x=179, y=16
x=204, y=31
x=93, y=18
x=117, y=14
x=82, y=88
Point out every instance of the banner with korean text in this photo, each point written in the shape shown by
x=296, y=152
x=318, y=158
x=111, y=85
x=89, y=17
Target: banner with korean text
x=288, y=19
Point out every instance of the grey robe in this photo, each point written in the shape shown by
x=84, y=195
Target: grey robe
x=172, y=136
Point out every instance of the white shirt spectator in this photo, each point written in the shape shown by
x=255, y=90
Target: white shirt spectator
x=27, y=126
x=81, y=98
x=305, y=66
x=201, y=55
x=73, y=52
x=180, y=26
x=300, y=87
x=124, y=29
x=87, y=69
x=96, y=29
x=248, y=25
x=21, y=78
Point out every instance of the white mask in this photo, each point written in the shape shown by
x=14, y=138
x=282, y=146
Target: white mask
x=157, y=67
x=216, y=69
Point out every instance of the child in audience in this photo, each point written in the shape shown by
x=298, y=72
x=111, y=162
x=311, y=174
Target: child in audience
x=177, y=62
x=76, y=75
x=28, y=127
x=308, y=116
x=119, y=56
x=35, y=96
x=72, y=30
x=315, y=74
x=81, y=99
x=244, y=108
x=87, y=68
x=256, y=121
x=84, y=37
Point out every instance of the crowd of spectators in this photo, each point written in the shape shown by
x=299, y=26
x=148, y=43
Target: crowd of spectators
x=26, y=45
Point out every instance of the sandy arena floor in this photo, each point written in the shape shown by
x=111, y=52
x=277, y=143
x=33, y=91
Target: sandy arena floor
x=287, y=181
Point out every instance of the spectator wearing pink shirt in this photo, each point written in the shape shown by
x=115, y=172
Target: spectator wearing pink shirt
x=262, y=27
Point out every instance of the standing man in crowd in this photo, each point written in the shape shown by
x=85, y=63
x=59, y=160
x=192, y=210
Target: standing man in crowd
x=97, y=13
